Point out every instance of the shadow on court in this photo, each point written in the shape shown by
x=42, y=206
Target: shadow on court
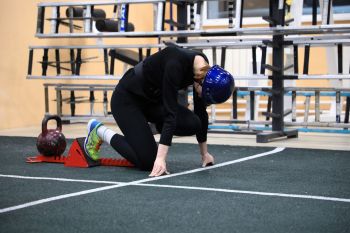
x=249, y=190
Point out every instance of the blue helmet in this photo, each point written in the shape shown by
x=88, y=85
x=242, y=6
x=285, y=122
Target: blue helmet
x=217, y=86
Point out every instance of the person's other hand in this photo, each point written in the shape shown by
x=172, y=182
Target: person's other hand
x=207, y=160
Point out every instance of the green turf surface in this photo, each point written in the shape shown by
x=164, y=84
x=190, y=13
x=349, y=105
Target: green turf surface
x=166, y=209
x=16, y=191
x=15, y=150
x=142, y=209
x=300, y=171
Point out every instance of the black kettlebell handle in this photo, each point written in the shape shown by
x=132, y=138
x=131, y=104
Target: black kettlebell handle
x=51, y=117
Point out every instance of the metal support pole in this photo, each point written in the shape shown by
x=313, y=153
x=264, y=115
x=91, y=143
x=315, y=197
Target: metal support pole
x=71, y=16
x=268, y=108
x=329, y=11
x=296, y=60
x=340, y=58
x=254, y=59
x=171, y=9
x=148, y=52
x=40, y=20
x=72, y=103
x=72, y=61
x=317, y=106
x=252, y=105
x=326, y=12
x=45, y=62
x=294, y=106
x=238, y=12
x=234, y=104
x=213, y=114
x=140, y=54
x=111, y=71
x=78, y=62
x=223, y=57
x=91, y=21
x=314, y=12
x=338, y=106
x=263, y=59
x=277, y=17
x=198, y=16
x=347, y=109
x=241, y=18
x=54, y=20
x=58, y=63
x=306, y=59
x=87, y=18
x=105, y=103
x=105, y=58
x=278, y=86
x=92, y=100
x=158, y=24
x=30, y=63
x=307, y=108
x=214, y=55
x=58, y=21
x=59, y=101
x=46, y=96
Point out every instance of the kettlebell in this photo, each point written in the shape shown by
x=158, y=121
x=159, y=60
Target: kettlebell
x=51, y=142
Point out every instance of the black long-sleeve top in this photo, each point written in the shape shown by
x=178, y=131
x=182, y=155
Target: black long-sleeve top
x=164, y=73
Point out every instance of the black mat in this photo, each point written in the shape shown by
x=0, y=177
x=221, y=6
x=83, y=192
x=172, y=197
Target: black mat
x=175, y=209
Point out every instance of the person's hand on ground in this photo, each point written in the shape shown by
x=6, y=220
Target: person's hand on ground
x=159, y=168
x=207, y=160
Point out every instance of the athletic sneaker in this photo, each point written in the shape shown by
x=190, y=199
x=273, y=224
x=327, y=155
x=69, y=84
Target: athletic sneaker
x=93, y=141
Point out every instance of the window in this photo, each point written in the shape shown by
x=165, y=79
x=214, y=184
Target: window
x=216, y=12
x=339, y=7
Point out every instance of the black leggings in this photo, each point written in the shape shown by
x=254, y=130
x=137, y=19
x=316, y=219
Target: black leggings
x=132, y=115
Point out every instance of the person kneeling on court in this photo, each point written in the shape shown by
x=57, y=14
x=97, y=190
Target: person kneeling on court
x=148, y=93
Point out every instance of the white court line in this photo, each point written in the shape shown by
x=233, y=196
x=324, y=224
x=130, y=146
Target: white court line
x=60, y=179
x=25, y=205
x=323, y=198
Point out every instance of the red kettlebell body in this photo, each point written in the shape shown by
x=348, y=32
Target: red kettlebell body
x=51, y=142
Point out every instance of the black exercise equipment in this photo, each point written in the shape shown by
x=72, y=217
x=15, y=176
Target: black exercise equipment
x=108, y=25
x=127, y=56
x=78, y=12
